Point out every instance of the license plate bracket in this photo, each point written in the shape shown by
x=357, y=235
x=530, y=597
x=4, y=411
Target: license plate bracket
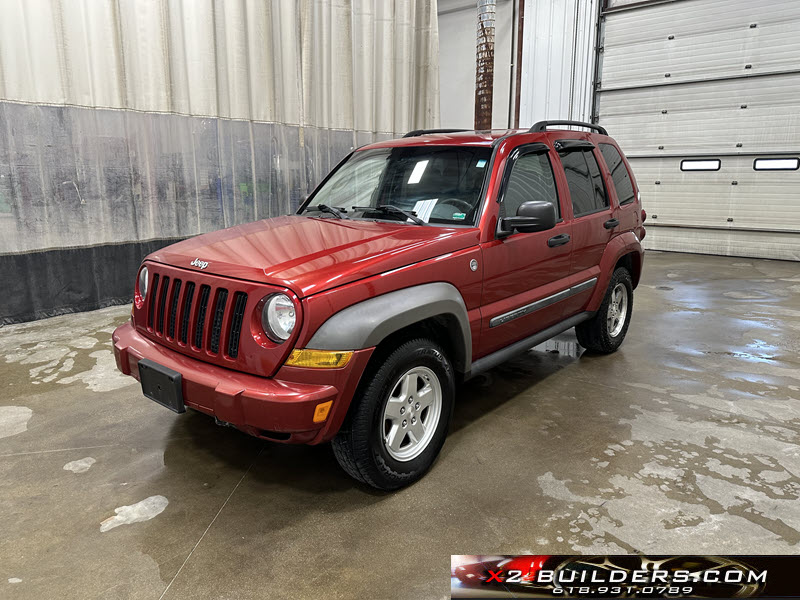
x=162, y=385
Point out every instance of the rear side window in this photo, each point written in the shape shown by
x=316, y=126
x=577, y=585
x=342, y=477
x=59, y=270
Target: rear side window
x=531, y=179
x=585, y=182
x=619, y=173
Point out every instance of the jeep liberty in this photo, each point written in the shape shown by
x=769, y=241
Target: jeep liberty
x=416, y=264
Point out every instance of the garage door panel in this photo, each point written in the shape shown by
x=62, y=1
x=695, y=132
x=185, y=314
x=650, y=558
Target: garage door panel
x=715, y=54
x=707, y=131
x=758, y=200
x=785, y=246
x=695, y=17
x=775, y=90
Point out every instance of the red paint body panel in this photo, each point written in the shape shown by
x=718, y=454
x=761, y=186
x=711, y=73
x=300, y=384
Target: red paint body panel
x=509, y=271
x=450, y=268
x=254, y=404
x=325, y=265
x=309, y=255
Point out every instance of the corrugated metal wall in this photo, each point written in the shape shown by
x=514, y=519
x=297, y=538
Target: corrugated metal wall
x=558, y=58
x=715, y=79
x=126, y=121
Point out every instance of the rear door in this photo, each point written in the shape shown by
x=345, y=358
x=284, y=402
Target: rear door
x=623, y=187
x=594, y=220
x=524, y=272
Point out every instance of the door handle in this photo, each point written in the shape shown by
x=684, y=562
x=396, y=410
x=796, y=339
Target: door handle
x=558, y=240
x=611, y=223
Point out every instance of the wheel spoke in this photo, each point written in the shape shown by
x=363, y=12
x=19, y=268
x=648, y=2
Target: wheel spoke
x=393, y=407
x=395, y=437
x=425, y=397
x=416, y=430
x=406, y=386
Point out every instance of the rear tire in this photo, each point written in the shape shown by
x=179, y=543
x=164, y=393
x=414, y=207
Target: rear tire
x=399, y=418
x=605, y=332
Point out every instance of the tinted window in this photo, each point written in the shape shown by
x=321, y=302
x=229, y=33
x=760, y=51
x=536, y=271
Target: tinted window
x=619, y=173
x=585, y=182
x=531, y=179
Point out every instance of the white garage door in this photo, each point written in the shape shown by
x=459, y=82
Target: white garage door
x=704, y=97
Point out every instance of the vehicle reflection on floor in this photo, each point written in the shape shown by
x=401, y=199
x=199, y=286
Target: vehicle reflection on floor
x=563, y=344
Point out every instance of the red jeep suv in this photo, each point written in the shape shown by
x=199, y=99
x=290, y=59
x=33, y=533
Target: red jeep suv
x=415, y=264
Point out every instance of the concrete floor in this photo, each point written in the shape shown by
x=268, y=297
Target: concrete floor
x=686, y=440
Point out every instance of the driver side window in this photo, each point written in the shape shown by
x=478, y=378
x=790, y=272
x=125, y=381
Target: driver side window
x=531, y=179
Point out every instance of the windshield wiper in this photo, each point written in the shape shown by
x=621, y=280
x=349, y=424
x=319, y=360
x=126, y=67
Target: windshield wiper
x=390, y=208
x=336, y=212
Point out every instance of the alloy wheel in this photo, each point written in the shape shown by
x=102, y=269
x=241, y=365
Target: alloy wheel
x=617, y=310
x=411, y=414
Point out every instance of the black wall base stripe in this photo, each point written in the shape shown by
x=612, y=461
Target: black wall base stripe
x=66, y=280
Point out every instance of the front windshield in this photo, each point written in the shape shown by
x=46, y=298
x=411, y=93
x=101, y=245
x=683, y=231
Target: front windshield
x=435, y=184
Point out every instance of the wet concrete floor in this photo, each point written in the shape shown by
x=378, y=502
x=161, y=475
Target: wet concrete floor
x=686, y=440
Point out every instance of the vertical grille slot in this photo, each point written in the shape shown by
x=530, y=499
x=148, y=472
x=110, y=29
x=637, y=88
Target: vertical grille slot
x=216, y=324
x=152, y=303
x=187, y=309
x=173, y=311
x=162, y=302
x=239, y=301
x=205, y=291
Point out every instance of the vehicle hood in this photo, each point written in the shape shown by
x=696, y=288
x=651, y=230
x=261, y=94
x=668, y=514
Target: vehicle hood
x=310, y=254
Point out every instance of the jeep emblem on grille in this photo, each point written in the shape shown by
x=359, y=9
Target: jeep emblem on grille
x=199, y=263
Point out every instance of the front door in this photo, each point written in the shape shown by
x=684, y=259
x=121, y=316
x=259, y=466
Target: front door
x=524, y=272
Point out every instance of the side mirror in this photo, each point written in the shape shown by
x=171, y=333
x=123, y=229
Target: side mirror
x=531, y=216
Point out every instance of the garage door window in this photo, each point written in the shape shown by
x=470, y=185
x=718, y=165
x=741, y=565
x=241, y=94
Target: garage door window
x=531, y=179
x=776, y=164
x=585, y=182
x=619, y=173
x=711, y=164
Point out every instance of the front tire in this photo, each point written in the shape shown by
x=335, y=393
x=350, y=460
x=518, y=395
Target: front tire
x=399, y=418
x=605, y=331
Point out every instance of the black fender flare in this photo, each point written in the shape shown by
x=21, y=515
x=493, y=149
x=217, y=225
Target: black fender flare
x=367, y=323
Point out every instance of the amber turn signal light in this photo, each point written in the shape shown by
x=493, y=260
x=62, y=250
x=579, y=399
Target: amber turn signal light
x=322, y=410
x=319, y=359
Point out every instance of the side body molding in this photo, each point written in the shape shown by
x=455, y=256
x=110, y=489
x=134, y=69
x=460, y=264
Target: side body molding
x=367, y=323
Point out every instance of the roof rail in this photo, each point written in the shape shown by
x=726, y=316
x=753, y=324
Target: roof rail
x=543, y=125
x=417, y=132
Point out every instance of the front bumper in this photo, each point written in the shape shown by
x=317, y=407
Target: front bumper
x=279, y=408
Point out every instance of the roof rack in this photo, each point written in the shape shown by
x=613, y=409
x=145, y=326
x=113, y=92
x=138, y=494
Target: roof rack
x=543, y=125
x=417, y=132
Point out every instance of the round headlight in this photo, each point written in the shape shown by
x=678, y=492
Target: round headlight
x=278, y=317
x=143, y=282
